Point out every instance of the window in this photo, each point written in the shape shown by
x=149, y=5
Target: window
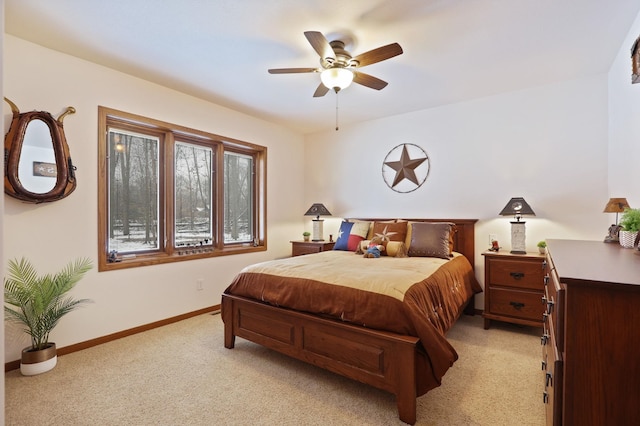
x=168, y=193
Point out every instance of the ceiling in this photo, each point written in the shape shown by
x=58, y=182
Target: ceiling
x=220, y=50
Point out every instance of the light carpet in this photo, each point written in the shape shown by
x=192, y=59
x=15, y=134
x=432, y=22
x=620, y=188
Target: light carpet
x=181, y=374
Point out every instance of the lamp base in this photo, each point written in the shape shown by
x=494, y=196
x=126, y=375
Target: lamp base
x=317, y=230
x=518, y=244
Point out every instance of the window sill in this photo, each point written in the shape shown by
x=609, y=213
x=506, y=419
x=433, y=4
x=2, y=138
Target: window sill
x=136, y=261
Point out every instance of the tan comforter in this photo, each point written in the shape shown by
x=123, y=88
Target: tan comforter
x=415, y=296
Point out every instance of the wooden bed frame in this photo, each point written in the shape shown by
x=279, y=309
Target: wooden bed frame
x=381, y=359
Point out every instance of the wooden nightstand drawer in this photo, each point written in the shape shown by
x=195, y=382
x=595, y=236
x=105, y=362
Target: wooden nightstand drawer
x=299, y=248
x=517, y=273
x=516, y=303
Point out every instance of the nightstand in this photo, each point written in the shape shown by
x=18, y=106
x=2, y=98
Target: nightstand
x=513, y=288
x=298, y=248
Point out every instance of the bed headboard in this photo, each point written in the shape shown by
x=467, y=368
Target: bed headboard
x=464, y=237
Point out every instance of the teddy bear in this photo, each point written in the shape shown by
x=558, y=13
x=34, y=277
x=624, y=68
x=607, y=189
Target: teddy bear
x=375, y=248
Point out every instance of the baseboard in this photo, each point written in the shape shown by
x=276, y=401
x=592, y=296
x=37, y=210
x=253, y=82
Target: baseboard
x=14, y=365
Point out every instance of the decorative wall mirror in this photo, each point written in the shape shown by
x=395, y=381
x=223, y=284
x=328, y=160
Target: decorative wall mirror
x=38, y=167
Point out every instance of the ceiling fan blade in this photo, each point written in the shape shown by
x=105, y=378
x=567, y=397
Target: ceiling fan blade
x=379, y=54
x=321, y=91
x=291, y=70
x=368, y=80
x=320, y=44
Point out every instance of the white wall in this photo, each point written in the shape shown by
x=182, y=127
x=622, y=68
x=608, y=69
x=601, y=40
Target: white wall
x=51, y=234
x=624, y=124
x=547, y=144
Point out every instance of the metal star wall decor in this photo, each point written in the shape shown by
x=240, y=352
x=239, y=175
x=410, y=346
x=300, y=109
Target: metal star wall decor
x=405, y=168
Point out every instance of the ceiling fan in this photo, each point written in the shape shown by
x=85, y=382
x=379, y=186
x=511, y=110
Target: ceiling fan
x=338, y=68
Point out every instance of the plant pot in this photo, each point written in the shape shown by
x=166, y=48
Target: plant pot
x=627, y=238
x=36, y=362
x=542, y=250
x=306, y=237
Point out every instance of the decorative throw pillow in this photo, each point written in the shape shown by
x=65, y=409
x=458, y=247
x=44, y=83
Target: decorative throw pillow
x=431, y=239
x=370, y=235
x=388, y=232
x=350, y=235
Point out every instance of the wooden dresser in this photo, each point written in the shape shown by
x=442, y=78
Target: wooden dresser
x=591, y=334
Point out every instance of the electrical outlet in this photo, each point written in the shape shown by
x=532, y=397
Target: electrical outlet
x=492, y=238
x=199, y=284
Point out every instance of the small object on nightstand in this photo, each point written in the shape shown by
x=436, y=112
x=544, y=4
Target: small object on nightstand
x=494, y=246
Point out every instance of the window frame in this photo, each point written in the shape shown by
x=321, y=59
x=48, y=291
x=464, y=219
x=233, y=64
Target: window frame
x=169, y=135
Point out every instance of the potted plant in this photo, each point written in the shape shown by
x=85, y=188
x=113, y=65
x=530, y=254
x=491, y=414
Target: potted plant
x=630, y=225
x=542, y=245
x=306, y=235
x=38, y=303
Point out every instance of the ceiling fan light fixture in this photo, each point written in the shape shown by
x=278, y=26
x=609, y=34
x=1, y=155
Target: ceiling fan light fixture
x=334, y=78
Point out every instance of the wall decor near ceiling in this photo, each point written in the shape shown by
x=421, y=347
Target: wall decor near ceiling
x=38, y=166
x=405, y=168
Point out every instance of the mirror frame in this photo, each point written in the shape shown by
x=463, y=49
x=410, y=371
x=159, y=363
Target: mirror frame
x=13, y=141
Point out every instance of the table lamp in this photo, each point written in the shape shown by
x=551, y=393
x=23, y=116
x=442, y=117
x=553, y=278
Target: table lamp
x=615, y=205
x=317, y=210
x=517, y=207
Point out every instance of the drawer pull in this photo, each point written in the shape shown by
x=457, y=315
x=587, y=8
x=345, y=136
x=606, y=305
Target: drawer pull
x=544, y=339
x=544, y=365
x=517, y=305
x=545, y=397
x=544, y=263
x=517, y=275
x=550, y=304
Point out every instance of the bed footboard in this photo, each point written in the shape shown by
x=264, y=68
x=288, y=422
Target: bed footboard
x=380, y=359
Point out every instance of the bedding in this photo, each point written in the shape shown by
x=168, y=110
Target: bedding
x=415, y=296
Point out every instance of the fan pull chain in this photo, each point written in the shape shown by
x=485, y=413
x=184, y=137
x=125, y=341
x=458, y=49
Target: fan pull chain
x=337, y=94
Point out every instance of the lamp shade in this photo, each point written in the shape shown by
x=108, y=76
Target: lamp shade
x=517, y=207
x=339, y=78
x=616, y=205
x=318, y=209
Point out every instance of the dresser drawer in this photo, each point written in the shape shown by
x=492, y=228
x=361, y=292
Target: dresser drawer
x=552, y=370
x=517, y=303
x=517, y=273
x=554, y=305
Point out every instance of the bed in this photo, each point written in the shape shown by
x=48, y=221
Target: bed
x=357, y=324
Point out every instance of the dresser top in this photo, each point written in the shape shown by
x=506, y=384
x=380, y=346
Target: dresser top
x=595, y=261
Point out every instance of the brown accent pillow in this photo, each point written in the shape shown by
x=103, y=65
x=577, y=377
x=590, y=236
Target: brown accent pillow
x=389, y=231
x=370, y=235
x=431, y=239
